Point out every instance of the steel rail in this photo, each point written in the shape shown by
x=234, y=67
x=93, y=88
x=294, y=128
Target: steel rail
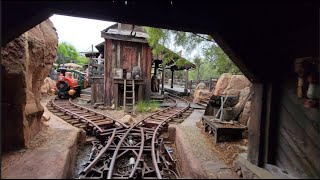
x=101, y=152
x=113, y=160
x=97, y=113
x=158, y=119
x=153, y=153
x=139, y=156
x=79, y=116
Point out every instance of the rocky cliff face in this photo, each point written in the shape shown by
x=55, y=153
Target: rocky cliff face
x=26, y=62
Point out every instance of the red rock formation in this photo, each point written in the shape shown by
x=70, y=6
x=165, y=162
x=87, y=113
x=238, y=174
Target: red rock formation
x=222, y=83
x=26, y=62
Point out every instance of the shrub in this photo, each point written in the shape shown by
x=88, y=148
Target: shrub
x=147, y=106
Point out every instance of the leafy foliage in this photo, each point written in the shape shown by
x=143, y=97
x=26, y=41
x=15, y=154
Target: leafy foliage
x=213, y=62
x=67, y=53
x=221, y=62
x=157, y=39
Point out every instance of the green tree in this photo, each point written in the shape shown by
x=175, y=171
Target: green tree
x=67, y=53
x=198, y=62
x=215, y=61
x=220, y=61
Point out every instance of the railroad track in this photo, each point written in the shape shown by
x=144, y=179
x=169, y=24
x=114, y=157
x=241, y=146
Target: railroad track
x=91, y=121
x=123, y=152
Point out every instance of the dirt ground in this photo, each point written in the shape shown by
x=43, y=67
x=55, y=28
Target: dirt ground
x=117, y=114
x=10, y=158
x=54, y=146
x=227, y=151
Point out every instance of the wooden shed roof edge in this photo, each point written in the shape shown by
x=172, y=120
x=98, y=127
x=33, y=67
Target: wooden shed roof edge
x=188, y=65
x=121, y=37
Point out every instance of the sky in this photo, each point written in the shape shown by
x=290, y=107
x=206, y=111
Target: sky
x=82, y=33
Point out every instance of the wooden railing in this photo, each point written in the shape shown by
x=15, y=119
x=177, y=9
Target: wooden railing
x=192, y=84
x=209, y=83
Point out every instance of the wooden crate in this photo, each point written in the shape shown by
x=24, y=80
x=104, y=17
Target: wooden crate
x=222, y=132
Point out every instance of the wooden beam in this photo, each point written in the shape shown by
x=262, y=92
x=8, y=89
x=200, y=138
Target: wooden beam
x=108, y=73
x=235, y=58
x=118, y=54
x=186, y=82
x=163, y=73
x=269, y=141
x=254, y=124
x=116, y=95
x=172, y=78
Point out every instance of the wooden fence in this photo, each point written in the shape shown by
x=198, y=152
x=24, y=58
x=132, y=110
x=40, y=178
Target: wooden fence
x=96, y=79
x=192, y=84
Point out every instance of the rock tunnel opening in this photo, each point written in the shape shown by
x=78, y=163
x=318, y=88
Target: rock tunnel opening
x=37, y=50
x=30, y=110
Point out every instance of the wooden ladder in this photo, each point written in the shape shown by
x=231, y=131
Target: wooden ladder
x=128, y=96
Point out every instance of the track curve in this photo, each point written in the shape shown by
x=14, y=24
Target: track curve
x=123, y=152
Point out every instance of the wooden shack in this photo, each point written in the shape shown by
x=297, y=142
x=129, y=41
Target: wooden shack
x=96, y=74
x=125, y=47
x=125, y=50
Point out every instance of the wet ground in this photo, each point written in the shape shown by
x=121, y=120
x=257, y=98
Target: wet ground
x=82, y=158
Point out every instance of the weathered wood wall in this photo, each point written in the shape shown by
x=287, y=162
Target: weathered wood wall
x=298, y=142
x=108, y=75
x=126, y=55
x=147, y=68
x=97, y=81
x=97, y=90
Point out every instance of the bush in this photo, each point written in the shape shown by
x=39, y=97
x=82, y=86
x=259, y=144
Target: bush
x=147, y=106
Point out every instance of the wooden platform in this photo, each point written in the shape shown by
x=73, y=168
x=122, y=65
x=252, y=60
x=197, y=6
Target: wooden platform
x=223, y=132
x=86, y=91
x=179, y=91
x=156, y=96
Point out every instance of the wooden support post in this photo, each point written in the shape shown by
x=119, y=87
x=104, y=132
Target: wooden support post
x=140, y=92
x=156, y=66
x=118, y=55
x=163, y=70
x=210, y=84
x=124, y=94
x=190, y=86
x=116, y=96
x=255, y=145
x=172, y=78
x=186, y=81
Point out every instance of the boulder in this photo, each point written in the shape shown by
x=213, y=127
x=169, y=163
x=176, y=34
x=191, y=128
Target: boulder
x=201, y=94
x=245, y=113
x=237, y=82
x=201, y=86
x=47, y=85
x=222, y=83
x=127, y=119
x=26, y=62
x=243, y=98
